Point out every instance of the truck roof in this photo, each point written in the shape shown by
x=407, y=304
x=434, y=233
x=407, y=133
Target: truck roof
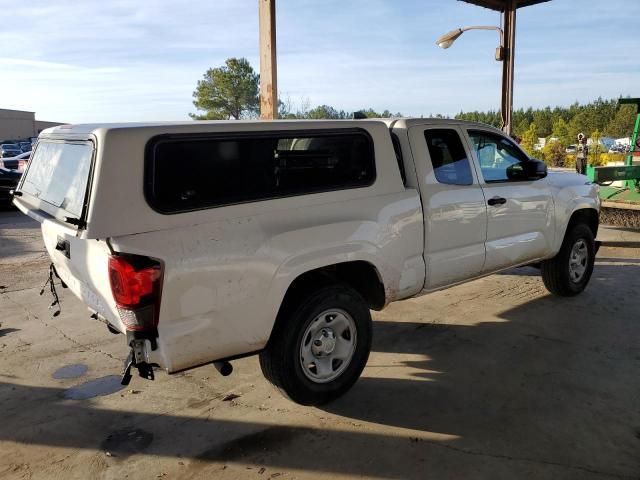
x=412, y=122
x=201, y=125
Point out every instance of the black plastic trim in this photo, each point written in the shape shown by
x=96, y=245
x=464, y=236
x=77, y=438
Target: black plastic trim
x=398, y=149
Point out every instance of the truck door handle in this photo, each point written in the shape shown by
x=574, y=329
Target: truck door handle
x=496, y=201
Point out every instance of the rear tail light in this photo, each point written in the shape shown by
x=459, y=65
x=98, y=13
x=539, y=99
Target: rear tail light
x=136, y=284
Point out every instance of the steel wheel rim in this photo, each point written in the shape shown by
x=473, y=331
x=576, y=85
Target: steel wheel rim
x=328, y=345
x=578, y=261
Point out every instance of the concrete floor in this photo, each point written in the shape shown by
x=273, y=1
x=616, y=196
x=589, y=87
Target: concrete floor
x=493, y=379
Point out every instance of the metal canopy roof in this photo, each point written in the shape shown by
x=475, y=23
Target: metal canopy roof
x=500, y=5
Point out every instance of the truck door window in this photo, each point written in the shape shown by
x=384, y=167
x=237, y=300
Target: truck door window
x=495, y=154
x=448, y=157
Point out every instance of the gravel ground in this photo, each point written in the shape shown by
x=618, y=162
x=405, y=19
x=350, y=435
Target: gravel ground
x=621, y=217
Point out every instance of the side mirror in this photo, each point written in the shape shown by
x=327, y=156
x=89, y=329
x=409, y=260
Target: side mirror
x=532, y=170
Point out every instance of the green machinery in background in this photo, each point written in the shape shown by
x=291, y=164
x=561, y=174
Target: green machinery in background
x=621, y=203
x=628, y=172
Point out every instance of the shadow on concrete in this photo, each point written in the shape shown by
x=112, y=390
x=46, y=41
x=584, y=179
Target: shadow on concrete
x=6, y=331
x=12, y=219
x=21, y=244
x=551, y=386
x=550, y=380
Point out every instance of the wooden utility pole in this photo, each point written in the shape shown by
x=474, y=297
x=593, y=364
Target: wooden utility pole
x=268, y=63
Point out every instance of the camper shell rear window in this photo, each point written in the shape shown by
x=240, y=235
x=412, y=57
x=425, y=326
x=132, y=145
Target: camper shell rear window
x=58, y=175
x=192, y=172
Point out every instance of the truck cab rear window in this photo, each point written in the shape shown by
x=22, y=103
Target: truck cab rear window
x=448, y=157
x=190, y=173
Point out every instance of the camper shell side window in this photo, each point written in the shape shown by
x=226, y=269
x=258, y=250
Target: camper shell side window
x=192, y=172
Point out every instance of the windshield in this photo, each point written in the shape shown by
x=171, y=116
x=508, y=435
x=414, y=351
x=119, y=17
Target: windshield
x=58, y=174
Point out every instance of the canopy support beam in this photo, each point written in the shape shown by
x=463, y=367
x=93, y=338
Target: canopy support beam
x=509, y=29
x=268, y=62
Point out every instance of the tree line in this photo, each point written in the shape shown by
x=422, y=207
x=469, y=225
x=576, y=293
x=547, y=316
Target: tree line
x=232, y=92
x=604, y=116
x=596, y=119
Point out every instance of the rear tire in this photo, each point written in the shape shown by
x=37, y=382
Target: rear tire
x=319, y=345
x=568, y=273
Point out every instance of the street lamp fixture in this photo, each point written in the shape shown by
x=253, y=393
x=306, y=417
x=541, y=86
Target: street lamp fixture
x=504, y=54
x=446, y=40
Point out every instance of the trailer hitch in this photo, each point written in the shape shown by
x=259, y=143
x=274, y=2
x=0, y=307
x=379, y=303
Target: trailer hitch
x=136, y=359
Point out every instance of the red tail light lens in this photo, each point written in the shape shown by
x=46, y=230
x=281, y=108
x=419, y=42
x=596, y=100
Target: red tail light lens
x=136, y=283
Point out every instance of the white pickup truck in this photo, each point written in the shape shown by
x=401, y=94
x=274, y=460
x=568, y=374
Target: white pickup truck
x=204, y=242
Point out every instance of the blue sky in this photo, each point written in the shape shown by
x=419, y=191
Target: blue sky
x=118, y=60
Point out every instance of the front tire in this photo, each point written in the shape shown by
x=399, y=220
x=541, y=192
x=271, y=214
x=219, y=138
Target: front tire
x=568, y=273
x=319, y=346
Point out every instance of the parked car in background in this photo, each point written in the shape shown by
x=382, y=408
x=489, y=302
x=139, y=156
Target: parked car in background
x=9, y=150
x=571, y=149
x=619, y=148
x=8, y=181
x=19, y=162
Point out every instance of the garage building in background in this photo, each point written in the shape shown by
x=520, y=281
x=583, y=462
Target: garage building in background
x=19, y=124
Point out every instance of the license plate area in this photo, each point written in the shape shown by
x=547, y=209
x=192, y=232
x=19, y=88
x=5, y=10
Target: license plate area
x=63, y=246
